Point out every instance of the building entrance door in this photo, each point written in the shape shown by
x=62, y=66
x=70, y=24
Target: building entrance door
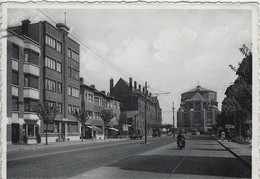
x=63, y=131
x=15, y=133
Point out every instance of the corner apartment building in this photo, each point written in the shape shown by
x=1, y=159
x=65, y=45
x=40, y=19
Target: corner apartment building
x=95, y=102
x=198, y=109
x=132, y=99
x=57, y=74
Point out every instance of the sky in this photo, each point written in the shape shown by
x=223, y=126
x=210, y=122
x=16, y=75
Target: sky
x=174, y=50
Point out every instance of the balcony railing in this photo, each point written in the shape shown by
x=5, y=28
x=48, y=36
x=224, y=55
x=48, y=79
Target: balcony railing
x=32, y=69
x=31, y=93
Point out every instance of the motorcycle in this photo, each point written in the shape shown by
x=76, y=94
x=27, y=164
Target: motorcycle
x=181, y=144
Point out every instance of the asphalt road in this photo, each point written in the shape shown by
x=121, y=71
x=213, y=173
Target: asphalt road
x=68, y=161
x=203, y=157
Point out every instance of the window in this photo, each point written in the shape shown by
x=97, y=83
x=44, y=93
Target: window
x=34, y=58
x=90, y=98
x=50, y=63
x=58, y=46
x=26, y=57
x=29, y=104
x=73, y=55
x=74, y=128
x=60, y=107
x=59, y=87
x=75, y=108
x=69, y=90
x=69, y=109
x=15, y=77
x=30, y=130
x=69, y=52
x=58, y=67
x=96, y=101
x=15, y=104
x=51, y=103
x=73, y=73
x=31, y=81
x=50, y=84
x=50, y=41
x=73, y=91
x=15, y=51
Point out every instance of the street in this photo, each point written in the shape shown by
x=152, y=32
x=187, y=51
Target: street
x=203, y=157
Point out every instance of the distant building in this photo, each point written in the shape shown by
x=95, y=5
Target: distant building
x=95, y=102
x=43, y=65
x=132, y=100
x=198, y=109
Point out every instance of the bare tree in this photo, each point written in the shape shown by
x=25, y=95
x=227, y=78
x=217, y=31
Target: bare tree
x=82, y=116
x=106, y=116
x=47, y=114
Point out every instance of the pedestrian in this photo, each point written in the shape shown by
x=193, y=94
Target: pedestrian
x=223, y=136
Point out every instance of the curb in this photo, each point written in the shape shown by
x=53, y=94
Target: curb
x=243, y=160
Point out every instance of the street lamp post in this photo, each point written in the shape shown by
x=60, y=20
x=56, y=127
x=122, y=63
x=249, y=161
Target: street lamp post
x=173, y=132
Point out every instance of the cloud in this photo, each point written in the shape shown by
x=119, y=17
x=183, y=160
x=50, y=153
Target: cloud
x=172, y=42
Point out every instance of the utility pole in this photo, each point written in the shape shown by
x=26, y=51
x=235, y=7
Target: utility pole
x=145, y=120
x=173, y=132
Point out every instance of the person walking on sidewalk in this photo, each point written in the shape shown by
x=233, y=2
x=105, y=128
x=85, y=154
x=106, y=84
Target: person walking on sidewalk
x=223, y=136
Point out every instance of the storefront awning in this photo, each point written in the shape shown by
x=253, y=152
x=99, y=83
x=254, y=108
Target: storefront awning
x=97, y=128
x=111, y=128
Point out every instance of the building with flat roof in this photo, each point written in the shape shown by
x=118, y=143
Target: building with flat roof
x=44, y=62
x=198, y=109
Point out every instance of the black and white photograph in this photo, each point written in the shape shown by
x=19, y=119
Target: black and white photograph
x=141, y=90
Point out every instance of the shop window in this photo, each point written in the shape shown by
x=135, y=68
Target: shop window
x=31, y=130
x=15, y=104
x=15, y=52
x=74, y=128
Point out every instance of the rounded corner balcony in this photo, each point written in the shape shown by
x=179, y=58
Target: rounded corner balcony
x=62, y=26
x=31, y=68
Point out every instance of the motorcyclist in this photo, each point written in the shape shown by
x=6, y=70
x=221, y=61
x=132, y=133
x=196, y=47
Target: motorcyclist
x=180, y=138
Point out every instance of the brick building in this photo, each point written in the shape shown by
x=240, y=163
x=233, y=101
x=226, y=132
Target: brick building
x=132, y=99
x=198, y=109
x=95, y=102
x=44, y=62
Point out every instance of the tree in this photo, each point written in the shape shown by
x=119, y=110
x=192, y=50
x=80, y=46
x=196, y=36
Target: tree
x=123, y=120
x=106, y=116
x=237, y=105
x=82, y=116
x=47, y=114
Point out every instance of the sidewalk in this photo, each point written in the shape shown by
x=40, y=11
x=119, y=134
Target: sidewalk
x=21, y=147
x=241, y=151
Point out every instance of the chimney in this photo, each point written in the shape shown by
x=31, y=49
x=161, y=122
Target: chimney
x=139, y=88
x=135, y=86
x=143, y=90
x=130, y=83
x=111, y=85
x=92, y=86
x=81, y=80
x=25, y=27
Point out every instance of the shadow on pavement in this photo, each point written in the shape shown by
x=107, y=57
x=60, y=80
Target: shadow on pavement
x=208, y=166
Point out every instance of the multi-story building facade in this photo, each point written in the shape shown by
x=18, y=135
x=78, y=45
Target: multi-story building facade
x=23, y=87
x=49, y=57
x=95, y=102
x=132, y=99
x=198, y=109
